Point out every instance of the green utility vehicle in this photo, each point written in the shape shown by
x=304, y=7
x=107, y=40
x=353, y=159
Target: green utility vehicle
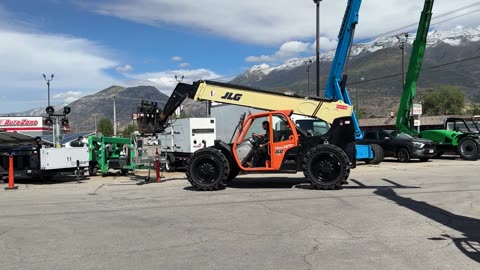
x=465, y=144
x=107, y=153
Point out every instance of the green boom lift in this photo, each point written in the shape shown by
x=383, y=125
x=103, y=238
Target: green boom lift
x=467, y=145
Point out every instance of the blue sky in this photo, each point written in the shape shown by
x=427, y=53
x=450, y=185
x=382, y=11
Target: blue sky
x=90, y=45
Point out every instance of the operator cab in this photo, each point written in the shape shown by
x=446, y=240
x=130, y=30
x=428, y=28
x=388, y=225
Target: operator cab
x=259, y=146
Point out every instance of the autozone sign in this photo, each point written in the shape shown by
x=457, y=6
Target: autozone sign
x=20, y=122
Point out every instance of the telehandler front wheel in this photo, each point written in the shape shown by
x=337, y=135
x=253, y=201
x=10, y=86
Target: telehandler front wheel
x=208, y=169
x=326, y=166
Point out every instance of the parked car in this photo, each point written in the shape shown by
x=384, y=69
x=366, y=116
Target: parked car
x=401, y=145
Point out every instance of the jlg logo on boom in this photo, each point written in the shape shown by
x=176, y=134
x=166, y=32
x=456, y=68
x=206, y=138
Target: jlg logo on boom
x=231, y=96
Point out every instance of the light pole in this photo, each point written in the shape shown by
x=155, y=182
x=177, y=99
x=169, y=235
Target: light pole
x=356, y=90
x=402, y=47
x=95, y=119
x=317, y=3
x=308, y=63
x=48, y=86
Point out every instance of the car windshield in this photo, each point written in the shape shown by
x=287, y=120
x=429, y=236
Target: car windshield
x=400, y=135
x=315, y=126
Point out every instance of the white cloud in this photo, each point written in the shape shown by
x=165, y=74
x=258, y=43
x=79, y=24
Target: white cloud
x=184, y=64
x=276, y=21
x=287, y=50
x=27, y=53
x=165, y=80
x=68, y=97
x=124, y=69
x=177, y=59
x=325, y=44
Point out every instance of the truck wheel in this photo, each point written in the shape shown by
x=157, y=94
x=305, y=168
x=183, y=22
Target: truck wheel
x=168, y=166
x=93, y=171
x=403, y=155
x=326, y=166
x=468, y=149
x=378, y=154
x=208, y=169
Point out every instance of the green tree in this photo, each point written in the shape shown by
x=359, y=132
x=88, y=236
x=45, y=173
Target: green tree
x=443, y=100
x=127, y=131
x=474, y=109
x=105, y=126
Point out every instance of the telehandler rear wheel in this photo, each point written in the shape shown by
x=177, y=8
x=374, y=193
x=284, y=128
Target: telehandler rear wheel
x=208, y=169
x=326, y=166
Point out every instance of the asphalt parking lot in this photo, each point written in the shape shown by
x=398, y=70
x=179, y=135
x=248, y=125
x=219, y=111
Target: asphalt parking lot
x=390, y=216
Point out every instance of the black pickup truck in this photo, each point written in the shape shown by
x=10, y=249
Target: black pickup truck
x=400, y=145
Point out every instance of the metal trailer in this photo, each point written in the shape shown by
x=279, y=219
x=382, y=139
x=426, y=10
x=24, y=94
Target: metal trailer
x=45, y=163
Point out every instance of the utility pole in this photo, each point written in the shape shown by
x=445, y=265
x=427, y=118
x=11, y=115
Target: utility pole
x=402, y=41
x=308, y=63
x=114, y=118
x=317, y=3
x=356, y=91
x=95, y=119
x=48, y=86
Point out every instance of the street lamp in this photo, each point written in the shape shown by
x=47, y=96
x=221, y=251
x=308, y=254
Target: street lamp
x=317, y=3
x=356, y=89
x=179, y=79
x=402, y=41
x=308, y=63
x=48, y=85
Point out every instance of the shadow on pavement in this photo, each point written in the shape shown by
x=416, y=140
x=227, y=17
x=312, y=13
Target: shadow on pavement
x=468, y=226
x=267, y=182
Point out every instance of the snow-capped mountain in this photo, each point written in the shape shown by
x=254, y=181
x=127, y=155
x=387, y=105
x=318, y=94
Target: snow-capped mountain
x=454, y=37
x=450, y=59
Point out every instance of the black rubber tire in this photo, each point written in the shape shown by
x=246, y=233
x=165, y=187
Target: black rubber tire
x=93, y=171
x=468, y=149
x=424, y=159
x=378, y=154
x=168, y=166
x=326, y=166
x=234, y=171
x=123, y=171
x=208, y=169
x=403, y=155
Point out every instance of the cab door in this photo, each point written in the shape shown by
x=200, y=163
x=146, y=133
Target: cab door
x=281, y=137
x=284, y=137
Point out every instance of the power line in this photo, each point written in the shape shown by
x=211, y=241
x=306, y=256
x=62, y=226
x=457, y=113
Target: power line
x=423, y=69
x=433, y=18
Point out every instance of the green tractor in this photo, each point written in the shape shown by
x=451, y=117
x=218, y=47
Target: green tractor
x=467, y=145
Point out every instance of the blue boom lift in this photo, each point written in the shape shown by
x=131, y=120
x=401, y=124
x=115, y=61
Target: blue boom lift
x=337, y=80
